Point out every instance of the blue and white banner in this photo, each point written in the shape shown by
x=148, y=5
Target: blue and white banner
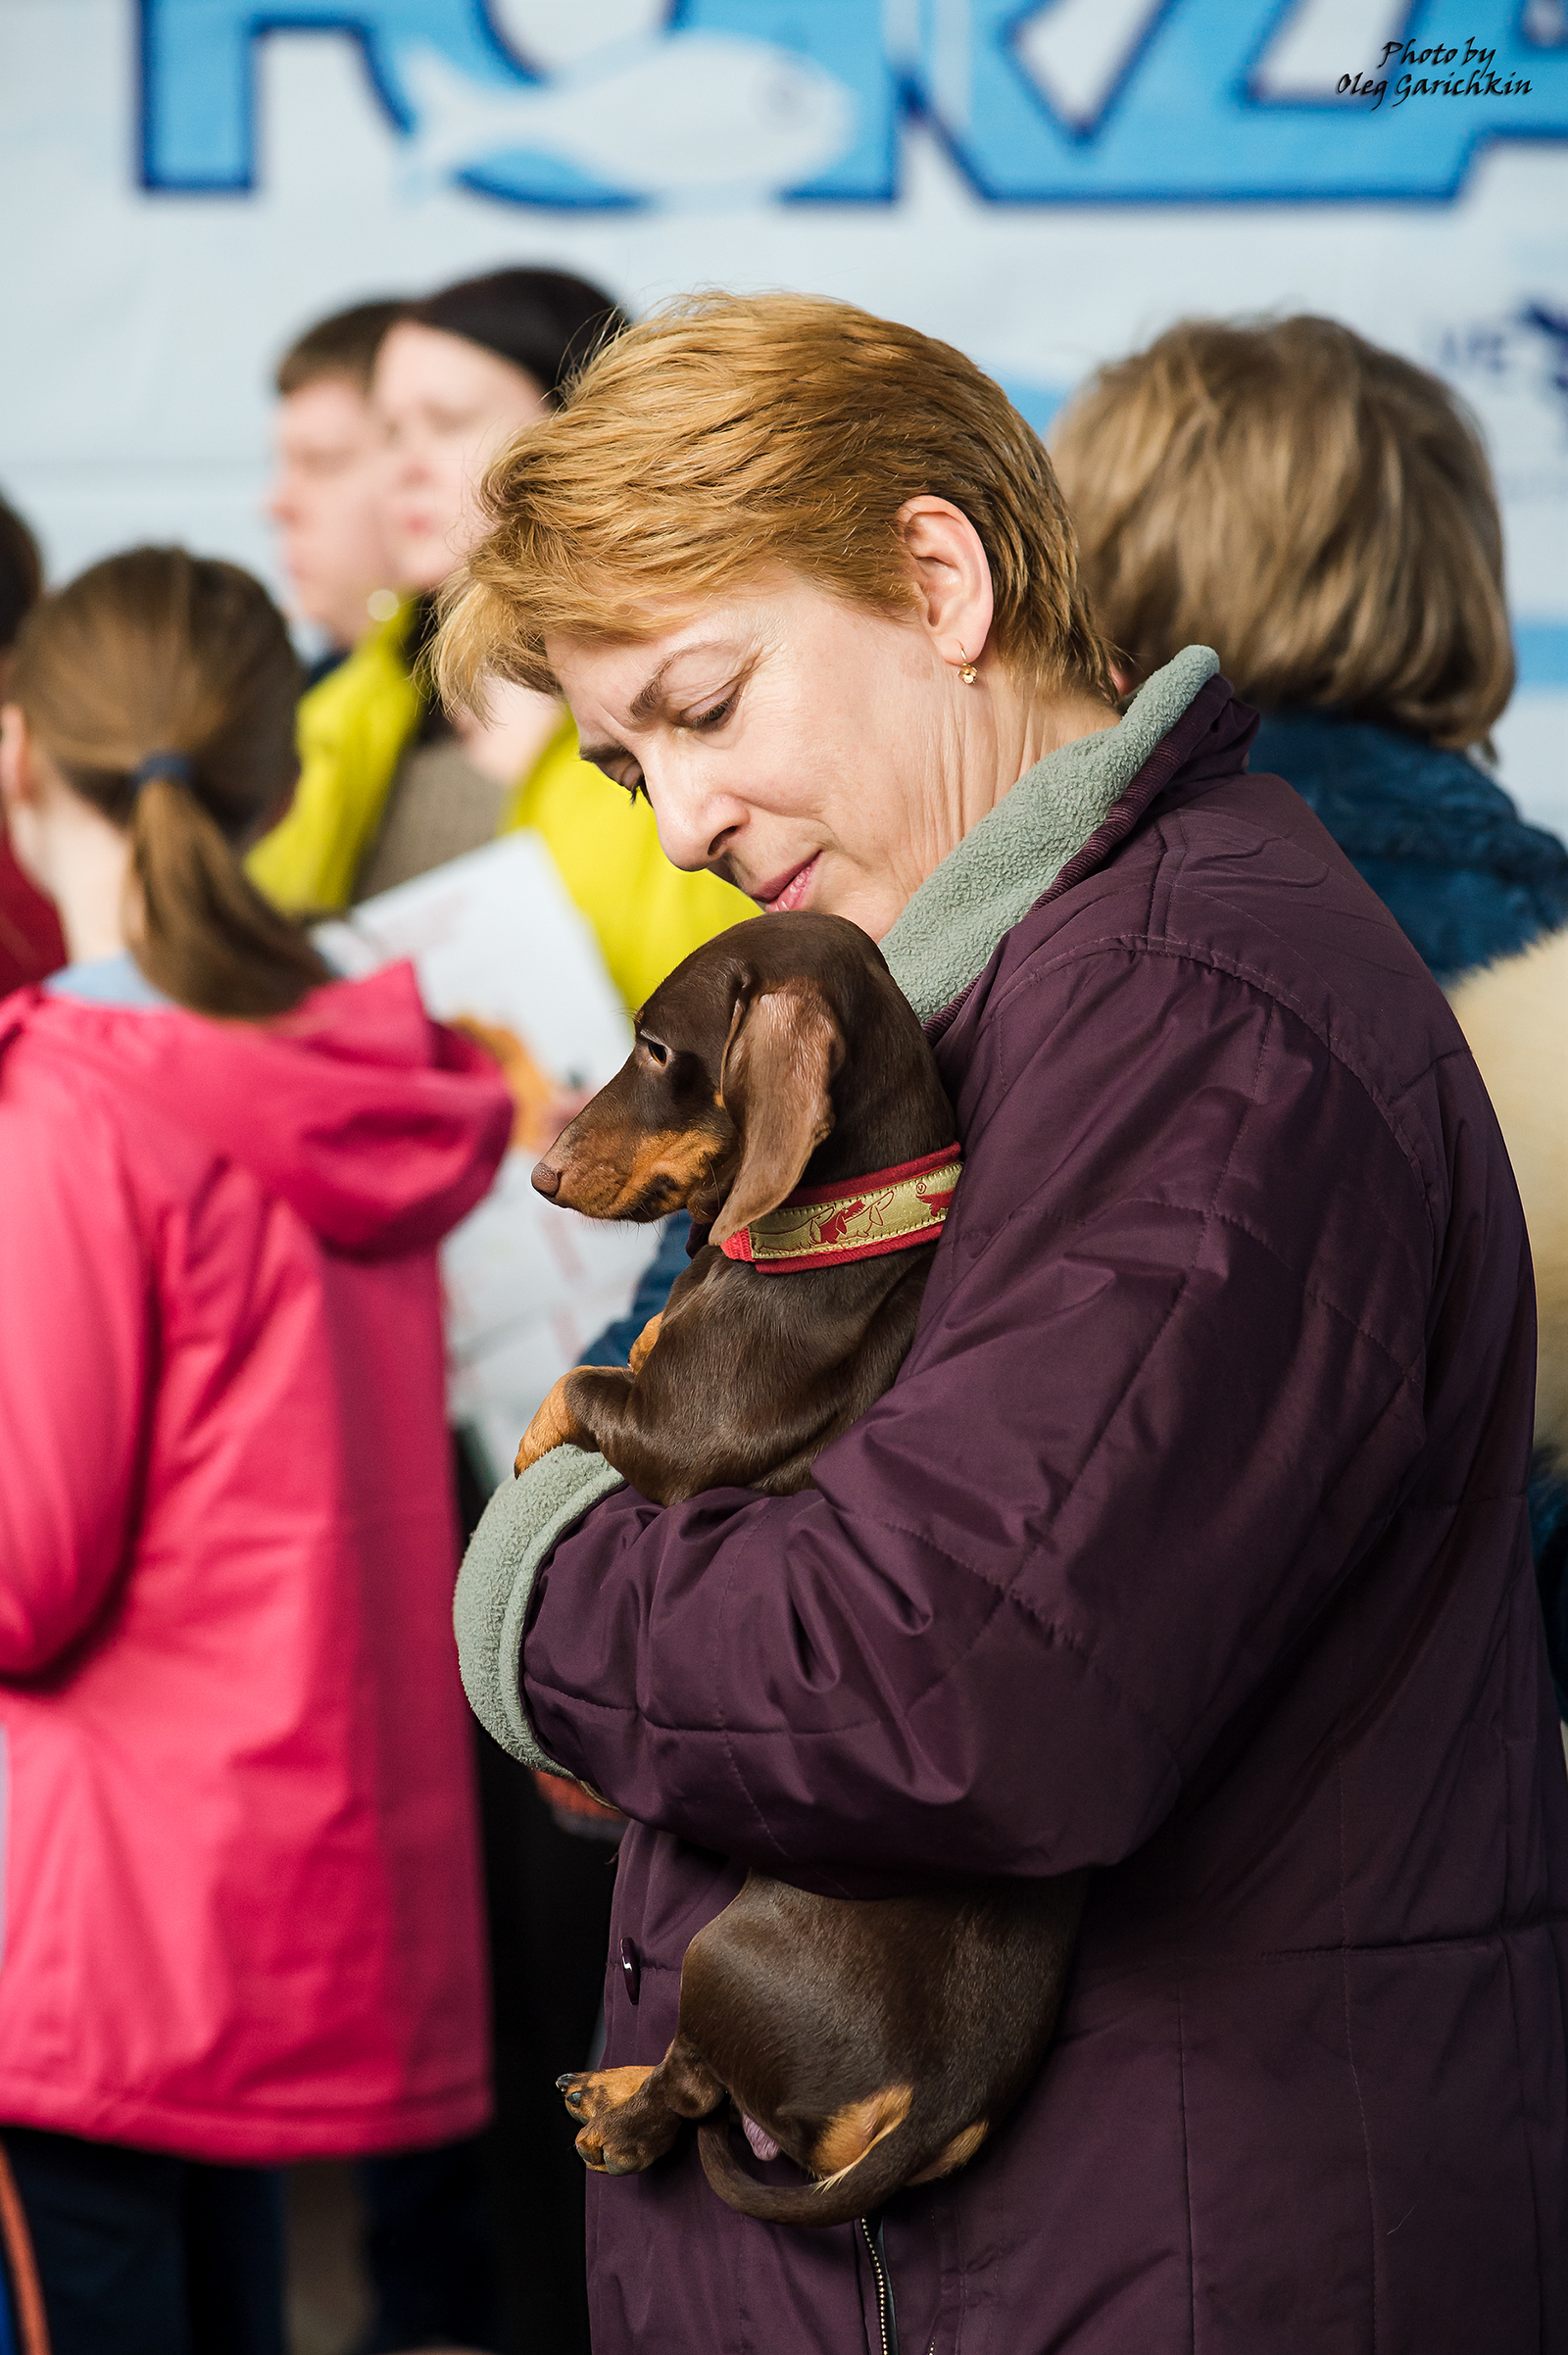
x=184, y=183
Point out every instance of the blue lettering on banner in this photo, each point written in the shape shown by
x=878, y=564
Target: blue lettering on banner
x=804, y=99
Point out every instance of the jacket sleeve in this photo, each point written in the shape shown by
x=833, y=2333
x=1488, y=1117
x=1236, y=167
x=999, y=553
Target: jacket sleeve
x=1168, y=1375
x=76, y=1371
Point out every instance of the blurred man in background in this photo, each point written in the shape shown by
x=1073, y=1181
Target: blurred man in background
x=390, y=784
x=325, y=497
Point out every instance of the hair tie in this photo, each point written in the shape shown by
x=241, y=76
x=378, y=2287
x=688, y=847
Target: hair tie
x=177, y=767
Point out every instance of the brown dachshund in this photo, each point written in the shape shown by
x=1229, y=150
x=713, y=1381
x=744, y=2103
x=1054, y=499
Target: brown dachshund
x=783, y=1090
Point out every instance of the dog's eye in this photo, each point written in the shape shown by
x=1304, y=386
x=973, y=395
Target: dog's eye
x=656, y=1050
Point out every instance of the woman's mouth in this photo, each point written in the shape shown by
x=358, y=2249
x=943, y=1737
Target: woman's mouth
x=778, y=898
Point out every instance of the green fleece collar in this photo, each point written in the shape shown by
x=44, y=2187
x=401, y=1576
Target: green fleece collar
x=948, y=930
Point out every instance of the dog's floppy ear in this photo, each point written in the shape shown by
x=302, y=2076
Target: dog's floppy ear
x=784, y=1048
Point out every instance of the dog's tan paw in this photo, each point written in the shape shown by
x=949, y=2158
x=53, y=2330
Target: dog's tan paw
x=612, y=2142
x=645, y=1342
x=552, y=1426
x=591, y=2093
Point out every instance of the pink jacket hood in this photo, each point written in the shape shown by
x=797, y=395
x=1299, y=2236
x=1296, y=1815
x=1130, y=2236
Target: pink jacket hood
x=357, y=1109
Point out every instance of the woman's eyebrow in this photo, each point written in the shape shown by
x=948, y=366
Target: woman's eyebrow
x=647, y=697
x=643, y=705
x=599, y=755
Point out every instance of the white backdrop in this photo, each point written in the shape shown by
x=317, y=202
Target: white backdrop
x=181, y=192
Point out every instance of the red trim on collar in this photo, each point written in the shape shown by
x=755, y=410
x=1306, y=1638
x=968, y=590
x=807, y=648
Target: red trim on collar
x=851, y=1219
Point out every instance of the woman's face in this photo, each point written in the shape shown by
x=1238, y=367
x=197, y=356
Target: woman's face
x=814, y=753
x=446, y=407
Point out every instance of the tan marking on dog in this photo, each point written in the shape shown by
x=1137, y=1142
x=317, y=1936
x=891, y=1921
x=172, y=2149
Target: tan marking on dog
x=851, y=2132
x=597, y=2096
x=552, y=1426
x=683, y=1154
x=623, y=1167
x=596, y=2093
x=645, y=1342
x=956, y=2153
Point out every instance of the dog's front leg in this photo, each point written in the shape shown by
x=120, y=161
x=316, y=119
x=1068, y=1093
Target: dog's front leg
x=573, y=1414
x=554, y=1426
x=645, y=1342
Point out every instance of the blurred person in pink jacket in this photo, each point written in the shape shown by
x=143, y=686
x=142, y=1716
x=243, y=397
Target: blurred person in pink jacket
x=241, y=1915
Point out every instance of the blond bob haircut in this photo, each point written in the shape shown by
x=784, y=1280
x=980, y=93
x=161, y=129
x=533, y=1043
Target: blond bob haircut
x=1318, y=511
x=729, y=434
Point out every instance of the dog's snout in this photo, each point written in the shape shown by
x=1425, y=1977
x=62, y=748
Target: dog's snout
x=546, y=1178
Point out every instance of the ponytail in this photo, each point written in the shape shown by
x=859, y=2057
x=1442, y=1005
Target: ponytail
x=160, y=648
x=207, y=937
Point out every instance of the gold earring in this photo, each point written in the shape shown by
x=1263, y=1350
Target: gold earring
x=967, y=670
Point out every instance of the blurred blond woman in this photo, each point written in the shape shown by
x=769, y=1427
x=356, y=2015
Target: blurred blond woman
x=1322, y=514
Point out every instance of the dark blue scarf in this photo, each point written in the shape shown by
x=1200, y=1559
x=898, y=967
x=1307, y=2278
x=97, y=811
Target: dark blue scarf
x=1448, y=855
x=1443, y=848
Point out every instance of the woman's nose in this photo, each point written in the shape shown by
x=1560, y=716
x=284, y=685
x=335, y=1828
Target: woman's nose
x=696, y=825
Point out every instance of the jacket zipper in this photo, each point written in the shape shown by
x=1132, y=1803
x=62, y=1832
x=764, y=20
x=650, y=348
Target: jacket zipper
x=886, y=2318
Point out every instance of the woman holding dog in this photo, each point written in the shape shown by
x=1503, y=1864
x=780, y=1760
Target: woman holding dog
x=1188, y=1545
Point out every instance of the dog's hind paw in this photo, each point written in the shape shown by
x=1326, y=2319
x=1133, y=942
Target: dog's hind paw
x=621, y=2132
x=591, y=2093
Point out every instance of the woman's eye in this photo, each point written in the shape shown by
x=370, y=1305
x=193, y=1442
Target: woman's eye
x=715, y=714
x=636, y=790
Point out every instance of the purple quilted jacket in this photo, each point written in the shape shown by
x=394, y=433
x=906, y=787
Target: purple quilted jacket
x=1190, y=1545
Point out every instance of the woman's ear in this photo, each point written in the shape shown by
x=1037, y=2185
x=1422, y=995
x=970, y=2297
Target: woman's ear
x=951, y=575
x=775, y=1086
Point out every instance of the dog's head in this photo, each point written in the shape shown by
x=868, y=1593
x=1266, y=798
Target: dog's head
x=728, y=1091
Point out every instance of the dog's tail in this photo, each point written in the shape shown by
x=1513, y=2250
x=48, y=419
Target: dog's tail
x=855, y=2190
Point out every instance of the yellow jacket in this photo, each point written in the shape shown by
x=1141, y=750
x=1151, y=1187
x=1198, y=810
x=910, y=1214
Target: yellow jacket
x=353, y=728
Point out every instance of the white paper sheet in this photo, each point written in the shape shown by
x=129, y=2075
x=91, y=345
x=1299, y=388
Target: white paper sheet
x=526, y=1286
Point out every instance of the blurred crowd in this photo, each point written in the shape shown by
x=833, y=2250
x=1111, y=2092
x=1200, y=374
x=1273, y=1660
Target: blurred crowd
x=271, y=1895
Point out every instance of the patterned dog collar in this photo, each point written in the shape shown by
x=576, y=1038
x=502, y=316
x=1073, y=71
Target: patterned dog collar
x=819, y=1226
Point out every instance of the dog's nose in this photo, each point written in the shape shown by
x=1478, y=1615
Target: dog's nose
x=545, y=1179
